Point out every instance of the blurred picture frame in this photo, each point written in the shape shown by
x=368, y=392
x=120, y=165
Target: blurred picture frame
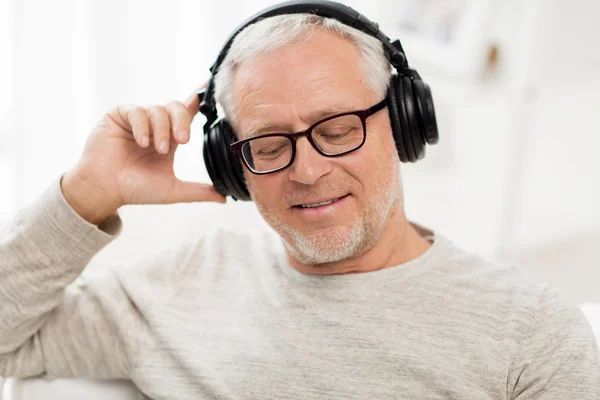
x=450, y=36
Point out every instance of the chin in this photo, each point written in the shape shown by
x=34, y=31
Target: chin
x=324, y=245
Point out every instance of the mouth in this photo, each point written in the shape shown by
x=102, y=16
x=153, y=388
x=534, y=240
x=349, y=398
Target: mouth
x=320, y=204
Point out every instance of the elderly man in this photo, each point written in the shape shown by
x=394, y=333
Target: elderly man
x=351, y=300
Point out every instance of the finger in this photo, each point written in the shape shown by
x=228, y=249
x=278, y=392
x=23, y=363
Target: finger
x=180, y=121
x=192, y=104
x=187, y=192
x=160, y=127
x=134, y=119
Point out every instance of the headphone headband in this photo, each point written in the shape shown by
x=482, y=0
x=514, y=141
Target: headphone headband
x=328, y=9
x=409, y=100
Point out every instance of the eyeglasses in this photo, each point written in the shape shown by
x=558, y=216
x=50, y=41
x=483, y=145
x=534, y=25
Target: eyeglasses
x=333, y=136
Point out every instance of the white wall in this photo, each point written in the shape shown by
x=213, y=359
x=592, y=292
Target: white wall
x=503, y=181
x=515, y=176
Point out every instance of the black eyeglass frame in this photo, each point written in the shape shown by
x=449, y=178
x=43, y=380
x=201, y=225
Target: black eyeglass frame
x=236, y=147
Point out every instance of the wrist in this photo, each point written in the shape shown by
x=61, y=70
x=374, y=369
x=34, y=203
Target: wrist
x=86, y=199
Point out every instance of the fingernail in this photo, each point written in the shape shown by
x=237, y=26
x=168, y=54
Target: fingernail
x=164, y=146
x=145, y=141
x=182, y=136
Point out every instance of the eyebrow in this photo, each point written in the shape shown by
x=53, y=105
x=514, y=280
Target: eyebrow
x=262, y=128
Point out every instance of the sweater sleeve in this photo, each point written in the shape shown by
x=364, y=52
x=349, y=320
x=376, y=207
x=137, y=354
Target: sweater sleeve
x=54, y=322
x=559, y=358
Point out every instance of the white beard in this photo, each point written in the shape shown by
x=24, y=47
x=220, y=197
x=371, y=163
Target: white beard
x=325, y=245
x=338, y=243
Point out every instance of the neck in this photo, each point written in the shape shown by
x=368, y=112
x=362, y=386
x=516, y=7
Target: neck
x=399, y=243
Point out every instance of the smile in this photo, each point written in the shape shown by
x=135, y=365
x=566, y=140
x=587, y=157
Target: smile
x=323, y=203
x=319, y=210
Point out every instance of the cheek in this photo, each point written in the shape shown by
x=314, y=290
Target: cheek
x=265, y=190
x=382, y=145
x=371, y=165
x=383, y=138
x=379, y=147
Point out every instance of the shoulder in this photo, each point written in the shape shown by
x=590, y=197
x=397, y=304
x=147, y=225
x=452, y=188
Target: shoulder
x=524, y=301
x=557, y=351
x=473, y=274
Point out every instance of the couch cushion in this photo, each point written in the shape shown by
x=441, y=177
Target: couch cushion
x=69, y=389
x=592, y=312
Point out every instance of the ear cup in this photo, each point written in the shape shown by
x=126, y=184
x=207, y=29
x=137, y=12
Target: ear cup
x=217, y=158
x=406, y=130
x=426, y=111
x=211, y=167
x=218, y=161
x=414, y=122
x=395, y=119
x=232, y=162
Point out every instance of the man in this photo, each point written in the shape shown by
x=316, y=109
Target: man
x=353, y=302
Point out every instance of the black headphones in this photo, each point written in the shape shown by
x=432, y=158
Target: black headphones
x=410, y=103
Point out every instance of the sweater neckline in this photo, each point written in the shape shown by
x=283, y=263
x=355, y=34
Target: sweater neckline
x=435, y=251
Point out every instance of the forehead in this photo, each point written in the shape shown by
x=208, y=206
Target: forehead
x=293, y=85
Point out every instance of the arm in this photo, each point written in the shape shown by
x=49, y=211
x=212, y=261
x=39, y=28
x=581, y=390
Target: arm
x=51, y=324
x=48, y=328
x=558, y=358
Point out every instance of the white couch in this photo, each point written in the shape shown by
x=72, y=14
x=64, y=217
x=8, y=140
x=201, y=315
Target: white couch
x=74, y=389
x=69, y=389
x=592, y=312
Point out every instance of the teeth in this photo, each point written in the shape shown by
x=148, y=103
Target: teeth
x=318, y=204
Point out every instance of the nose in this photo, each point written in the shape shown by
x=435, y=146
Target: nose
x=308, y=165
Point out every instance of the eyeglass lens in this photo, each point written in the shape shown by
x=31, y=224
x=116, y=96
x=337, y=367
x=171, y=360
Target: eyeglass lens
x=332, y=137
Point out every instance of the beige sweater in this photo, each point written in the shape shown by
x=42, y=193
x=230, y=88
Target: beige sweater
x=225, y=317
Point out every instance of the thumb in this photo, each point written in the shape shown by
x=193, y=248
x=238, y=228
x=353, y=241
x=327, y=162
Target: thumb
x=188, y=192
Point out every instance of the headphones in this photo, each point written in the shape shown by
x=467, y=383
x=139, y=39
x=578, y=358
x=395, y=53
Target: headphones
x=409, y=100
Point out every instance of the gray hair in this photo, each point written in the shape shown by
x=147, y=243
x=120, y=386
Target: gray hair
x=275, y=32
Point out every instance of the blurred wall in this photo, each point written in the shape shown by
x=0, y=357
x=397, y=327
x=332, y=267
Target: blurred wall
x=517, y=178
x=513, y=177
